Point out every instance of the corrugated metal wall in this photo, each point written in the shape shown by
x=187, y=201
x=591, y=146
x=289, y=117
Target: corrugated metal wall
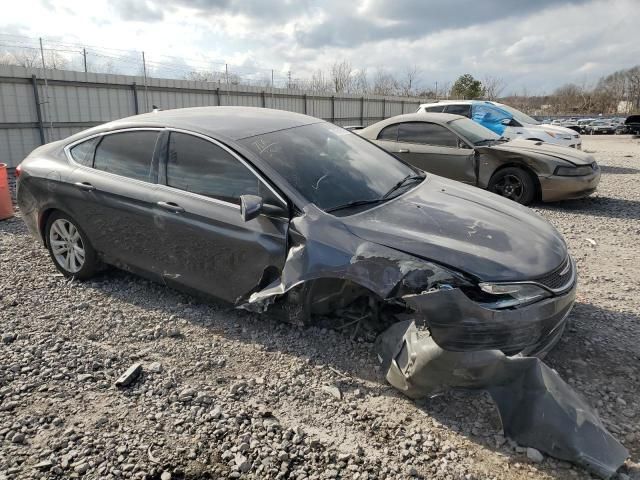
x=55, y=104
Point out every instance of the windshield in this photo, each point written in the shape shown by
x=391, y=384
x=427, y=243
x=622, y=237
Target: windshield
x=472, y=131
x=519, y=116
x=328, y=165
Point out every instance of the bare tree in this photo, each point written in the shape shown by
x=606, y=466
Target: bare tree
x=493, y=87
x=360, y=83
x=28, y=58
x=408, y=84
x=319, y=82
x=341, y=76
x=384, y=83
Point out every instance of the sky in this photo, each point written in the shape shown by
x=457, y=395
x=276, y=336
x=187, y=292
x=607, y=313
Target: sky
x=534, y=46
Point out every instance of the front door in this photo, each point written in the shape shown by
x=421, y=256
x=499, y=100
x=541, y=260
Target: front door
x=206, y=244
x=433, y=148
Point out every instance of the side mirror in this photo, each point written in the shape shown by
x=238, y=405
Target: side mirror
x=506, y=122
x=250, y=206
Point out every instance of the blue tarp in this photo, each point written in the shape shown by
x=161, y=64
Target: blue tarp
x=490, y=116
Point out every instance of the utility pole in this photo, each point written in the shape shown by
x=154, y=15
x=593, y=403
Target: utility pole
x=84, y=59
x=146, y=92
x=289, y=79
x=272, y=78
x=226, y=73
x=46, y=89
x=436, y=90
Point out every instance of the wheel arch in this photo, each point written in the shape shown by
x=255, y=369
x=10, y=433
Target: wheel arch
x=520, y=163
x=43, y=218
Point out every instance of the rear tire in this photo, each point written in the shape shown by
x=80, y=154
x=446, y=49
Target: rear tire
x=69, y=247
x=515, y=184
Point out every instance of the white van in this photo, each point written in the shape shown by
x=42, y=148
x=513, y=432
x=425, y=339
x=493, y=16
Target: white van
x=507, y=121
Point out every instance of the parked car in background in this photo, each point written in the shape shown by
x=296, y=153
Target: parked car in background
x=458, y=148
x=583, y=122
x=632, y=124
x=269, y=208
x=600, y=127
x=506, y=121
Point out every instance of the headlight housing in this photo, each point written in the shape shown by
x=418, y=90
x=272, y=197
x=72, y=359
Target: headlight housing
x=574, y=171
x=561, y=136
x=506, y=295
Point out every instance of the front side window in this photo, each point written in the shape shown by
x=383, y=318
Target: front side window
x=390, y=133
x=128, y=154
x=435, y=109
x=426, y=134
x=328, y=165
x=198, y=166
x=82, y=153
x=472, y=131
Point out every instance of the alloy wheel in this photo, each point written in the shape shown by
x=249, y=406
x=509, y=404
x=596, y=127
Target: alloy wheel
x=66, y=245
x=510, y=186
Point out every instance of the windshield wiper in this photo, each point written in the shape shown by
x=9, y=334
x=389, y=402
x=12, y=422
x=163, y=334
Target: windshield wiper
x=402, y=183
x=384, y=198
x=486, y=140
x=356, y=203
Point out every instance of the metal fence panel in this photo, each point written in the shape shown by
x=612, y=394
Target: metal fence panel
x=69, y=102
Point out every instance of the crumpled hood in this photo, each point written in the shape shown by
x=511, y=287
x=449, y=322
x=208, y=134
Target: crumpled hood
x=465, y=228
x=571, y=155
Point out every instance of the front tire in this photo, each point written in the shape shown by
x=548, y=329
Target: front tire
x=515, y=184
x=69, y=248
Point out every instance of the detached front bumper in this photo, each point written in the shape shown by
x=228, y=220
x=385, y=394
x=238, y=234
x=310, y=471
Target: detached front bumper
x=556, y=187
x=460, y=324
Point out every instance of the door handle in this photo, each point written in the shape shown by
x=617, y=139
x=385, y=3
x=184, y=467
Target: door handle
x=86, y=186
x=403, y=150
x=172, y=207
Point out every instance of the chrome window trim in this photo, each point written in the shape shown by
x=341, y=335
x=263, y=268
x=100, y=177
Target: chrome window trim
x=67, y=151
x=233, y=154
x=197, y=196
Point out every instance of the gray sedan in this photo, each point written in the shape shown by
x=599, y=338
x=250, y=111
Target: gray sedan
x=458, y=148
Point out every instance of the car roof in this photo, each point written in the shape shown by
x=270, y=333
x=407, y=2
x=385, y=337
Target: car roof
x=458, y=102
x=408, y=117
x=423, y=117
x=230, y=122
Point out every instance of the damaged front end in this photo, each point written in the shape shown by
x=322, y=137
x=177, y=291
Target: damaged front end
x=461, y=333
x=537, y=408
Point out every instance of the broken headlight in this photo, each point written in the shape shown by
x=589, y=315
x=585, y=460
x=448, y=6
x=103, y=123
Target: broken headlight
x=506, y=295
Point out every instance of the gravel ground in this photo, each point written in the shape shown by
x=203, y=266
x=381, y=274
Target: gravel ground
x=228, y=394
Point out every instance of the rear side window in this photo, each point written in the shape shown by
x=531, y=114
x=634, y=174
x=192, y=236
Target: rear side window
x=389, y=133
x=437, y=108
x=83, y=152
x=464, y=110
x=128, y=154
x=199, y=166
x=426, y=134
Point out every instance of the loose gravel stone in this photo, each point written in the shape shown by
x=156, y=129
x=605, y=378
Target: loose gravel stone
x=534, y=455
x=238, y=395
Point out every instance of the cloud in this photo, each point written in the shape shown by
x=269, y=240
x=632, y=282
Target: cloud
x=137, y=10
x=535, y=45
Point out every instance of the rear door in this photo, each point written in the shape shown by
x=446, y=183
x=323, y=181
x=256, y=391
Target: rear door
x=436, y=149
x=114, y=181
x=205, y=242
